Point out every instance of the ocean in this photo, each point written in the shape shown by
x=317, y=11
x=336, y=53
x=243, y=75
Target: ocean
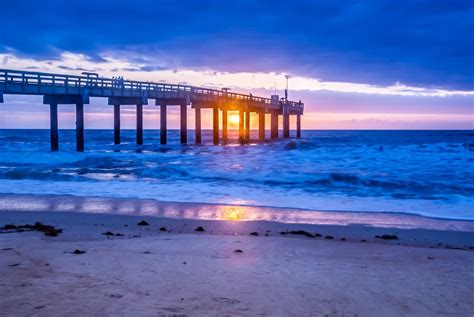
x=427, y=173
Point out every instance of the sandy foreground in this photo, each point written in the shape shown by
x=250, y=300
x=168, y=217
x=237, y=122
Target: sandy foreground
x=180, y=272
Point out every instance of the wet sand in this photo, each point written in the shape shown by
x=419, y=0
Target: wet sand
x=166, y=268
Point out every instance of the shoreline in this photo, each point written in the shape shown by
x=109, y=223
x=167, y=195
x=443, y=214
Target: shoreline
x=212, y=211
x=72, y=211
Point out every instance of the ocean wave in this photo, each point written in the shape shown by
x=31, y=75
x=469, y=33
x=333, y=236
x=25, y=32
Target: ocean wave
x=35, y=174
x=353, y=184
x=469, y=146
x=12, y=138
x=388, y=166
x=105, y=162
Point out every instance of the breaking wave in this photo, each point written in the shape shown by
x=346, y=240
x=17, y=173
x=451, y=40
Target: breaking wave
x=409, y=171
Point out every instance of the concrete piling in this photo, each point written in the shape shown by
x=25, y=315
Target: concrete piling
x=298, y=126
x=162, y=124
x=247, y=126
x=53, y=114
x=184, y=123
x=274, y=125
x=140, y=124
x=116, y=124
x=215, y=125
x=241, y=126
x=261, y=125
x=286, y=125
x=224, y=126
x=80, y=127
x=198, y=125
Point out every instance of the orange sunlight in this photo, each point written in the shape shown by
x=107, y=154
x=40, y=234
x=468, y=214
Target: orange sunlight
x=234, y=119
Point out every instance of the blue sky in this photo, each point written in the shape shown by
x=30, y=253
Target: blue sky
x=372, y=64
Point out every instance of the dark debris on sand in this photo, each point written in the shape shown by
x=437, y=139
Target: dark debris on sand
x=164, y=229
x=302, y=233
x=387, y=237
x=238, y=251
x=48, y=230
x=110, y=233
x=254, y=234
x=143, y=223
x=200, y=229
x=77, y=251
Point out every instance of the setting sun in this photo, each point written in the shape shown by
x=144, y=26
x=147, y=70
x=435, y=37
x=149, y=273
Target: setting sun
x=234, y=119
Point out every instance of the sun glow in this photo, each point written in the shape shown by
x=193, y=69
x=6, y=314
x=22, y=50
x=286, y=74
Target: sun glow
x=234, y=119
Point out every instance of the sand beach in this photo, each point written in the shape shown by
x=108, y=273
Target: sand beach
x=108, y=264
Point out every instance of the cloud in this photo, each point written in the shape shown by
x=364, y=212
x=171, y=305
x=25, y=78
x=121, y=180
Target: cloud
x=328, y=105
x=420, y=43
x=108, y=66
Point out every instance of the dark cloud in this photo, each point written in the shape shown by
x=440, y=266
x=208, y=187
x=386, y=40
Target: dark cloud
x=72, y=68
x=418, y=42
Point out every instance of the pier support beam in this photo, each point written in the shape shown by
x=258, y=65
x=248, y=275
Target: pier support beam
x=274, y=125
x=79, y=100
x=139, y=124
x=298, y=126
x=286, y=125
x=215, y=125
x=241, y=126
x=261, y=125
x=224, y=126
x=198, y=125
x=53, y=114
x=80, y=127
x=163, y=124
x=247, y=126
x=132, y=101
x=184, y=123
x=116, y=124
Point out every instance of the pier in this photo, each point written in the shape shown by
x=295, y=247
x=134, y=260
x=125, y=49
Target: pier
x=58, y=89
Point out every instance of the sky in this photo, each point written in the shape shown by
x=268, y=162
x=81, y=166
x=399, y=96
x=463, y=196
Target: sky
x=380, y=64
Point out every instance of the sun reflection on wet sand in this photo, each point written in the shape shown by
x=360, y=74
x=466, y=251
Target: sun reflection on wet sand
x=231, y=213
